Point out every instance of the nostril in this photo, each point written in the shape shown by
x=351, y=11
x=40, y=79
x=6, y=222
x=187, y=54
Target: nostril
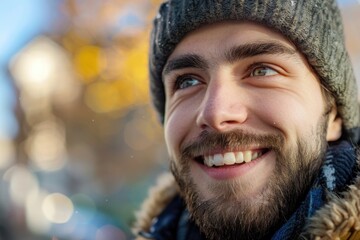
x=229, y=122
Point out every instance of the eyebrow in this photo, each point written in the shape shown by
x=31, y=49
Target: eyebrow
x=253, y=49
x=185, y=61
x=234, y=54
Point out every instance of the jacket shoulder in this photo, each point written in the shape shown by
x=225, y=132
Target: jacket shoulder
x=158, y=198
x=339, y=218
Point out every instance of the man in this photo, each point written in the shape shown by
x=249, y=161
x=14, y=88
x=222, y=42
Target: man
x=261, y=122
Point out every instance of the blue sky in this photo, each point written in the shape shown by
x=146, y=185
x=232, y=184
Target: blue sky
x=347, y=2
x=21, y=20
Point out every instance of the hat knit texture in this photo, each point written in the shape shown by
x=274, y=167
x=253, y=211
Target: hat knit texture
x=314, y=26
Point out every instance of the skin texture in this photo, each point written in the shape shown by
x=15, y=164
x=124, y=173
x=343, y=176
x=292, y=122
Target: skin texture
x=237, y=87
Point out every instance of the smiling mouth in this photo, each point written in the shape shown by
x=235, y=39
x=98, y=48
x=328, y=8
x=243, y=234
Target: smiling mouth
x=230, y=158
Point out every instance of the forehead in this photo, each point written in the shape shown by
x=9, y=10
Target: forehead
x=217, y=37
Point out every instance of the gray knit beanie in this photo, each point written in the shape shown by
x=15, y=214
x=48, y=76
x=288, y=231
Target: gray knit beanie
x=314, y=26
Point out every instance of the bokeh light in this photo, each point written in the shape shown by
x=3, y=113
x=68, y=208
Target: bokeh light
x=35, y=68
x=57, y=208
x=104, y=97
x=22, y=183
x=89, y=62
x=35, y=218
x=46, y=146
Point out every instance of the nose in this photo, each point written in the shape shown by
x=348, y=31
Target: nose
x=223, y=107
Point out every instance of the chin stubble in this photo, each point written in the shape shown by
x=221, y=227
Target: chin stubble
x=230, y=215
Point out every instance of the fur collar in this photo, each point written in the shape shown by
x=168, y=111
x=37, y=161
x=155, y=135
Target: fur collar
x=338, y=219
x=159, y=197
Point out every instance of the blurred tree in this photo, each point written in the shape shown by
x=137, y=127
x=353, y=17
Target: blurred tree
x=86, y=122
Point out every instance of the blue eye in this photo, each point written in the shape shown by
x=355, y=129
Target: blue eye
x=186, y=81
x=263, y=71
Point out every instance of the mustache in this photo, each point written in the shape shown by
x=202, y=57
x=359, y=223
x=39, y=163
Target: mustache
x=207, y=141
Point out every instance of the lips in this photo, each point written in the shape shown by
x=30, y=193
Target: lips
x=230, y=155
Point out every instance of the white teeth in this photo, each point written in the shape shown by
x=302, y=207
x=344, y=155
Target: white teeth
x=247, y=156
x=218, y=160
x=208, y=160
x=256, y=155
x=231, y=158
x=239, y=157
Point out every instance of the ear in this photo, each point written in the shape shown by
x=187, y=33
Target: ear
x=334, y=128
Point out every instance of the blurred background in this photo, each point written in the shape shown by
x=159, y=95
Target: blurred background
x=79, y=142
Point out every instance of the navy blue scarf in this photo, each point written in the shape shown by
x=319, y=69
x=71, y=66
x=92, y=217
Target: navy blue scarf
x=336, y=173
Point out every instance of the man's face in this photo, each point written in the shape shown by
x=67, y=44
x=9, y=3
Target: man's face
x=246, y=127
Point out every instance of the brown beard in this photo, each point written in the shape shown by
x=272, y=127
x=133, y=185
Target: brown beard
x=228, y=216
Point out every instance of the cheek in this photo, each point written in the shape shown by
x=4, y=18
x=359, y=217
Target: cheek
x=291, y=113
x=180, y=121
x=178, y=124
